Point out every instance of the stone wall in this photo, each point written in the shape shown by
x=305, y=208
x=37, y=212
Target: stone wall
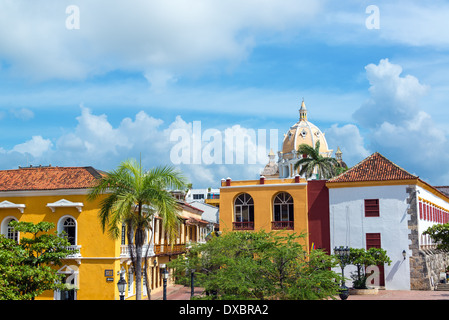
x=425, y=265
x=425, y=268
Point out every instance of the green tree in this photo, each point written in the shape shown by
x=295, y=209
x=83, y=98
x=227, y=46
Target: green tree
x=26, y=268
x=311, y=159
x=440, y=235
x=132, y=198
x=259, y=265
x=362, y=259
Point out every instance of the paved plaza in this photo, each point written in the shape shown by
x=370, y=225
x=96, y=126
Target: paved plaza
x=178, y=292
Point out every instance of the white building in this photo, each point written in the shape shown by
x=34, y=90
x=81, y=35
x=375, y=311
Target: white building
x=200, y=195
x=210, y=214
x=378, y=204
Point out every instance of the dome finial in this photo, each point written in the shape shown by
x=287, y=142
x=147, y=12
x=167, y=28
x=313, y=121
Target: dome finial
x=303, y=111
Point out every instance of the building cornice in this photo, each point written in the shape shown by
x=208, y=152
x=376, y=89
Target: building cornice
x=43, y=193
x=265, y=185
x=357, y=184
x=417, y=181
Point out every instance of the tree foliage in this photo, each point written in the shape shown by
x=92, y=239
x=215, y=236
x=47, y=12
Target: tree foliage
x=440, y=235
x=259, y=265
x=26, y=268
x=312, y=159
x=133, y=196
x=362, y=259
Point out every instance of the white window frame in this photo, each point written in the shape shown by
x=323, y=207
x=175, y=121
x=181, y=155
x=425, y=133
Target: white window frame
x=5, y=227
x=60, y=226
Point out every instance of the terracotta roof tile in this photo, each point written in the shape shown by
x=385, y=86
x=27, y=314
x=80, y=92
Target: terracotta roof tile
x=48, y=178
x=374, y=168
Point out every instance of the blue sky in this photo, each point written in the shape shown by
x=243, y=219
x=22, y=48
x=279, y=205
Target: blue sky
x=119, y=84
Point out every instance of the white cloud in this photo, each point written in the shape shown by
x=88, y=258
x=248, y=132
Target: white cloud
x=22, y=113
x=395, y=125
x=37, y=146
x=141, y=36
x=95, y=141
x=393, y=97
x=350, y=141
x=416, y=23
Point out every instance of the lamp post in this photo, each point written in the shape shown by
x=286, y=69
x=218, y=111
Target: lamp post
x=164, y=273
x=192, y=275
x=121, y=285
x=343, y=255
x=192, y=287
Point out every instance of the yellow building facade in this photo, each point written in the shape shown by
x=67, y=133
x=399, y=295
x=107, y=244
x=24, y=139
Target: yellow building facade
x=264, y=204
x=59, y=195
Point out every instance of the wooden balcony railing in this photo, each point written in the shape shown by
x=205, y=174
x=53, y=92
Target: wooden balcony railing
x=247, y=225
x=282, y=225
x=160, y=249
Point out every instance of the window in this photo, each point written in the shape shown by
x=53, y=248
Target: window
x=68, y=294
x=373, y=240
x=371, y=207
x=123, y=234
x=69, y=228
x=67, y=225
x=282, y=212
x=130, y=281
x=70, y=278
x=243, y=212
x=9, y=231
x=420, y=210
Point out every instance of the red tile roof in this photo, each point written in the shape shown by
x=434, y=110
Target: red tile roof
x=374, y=168
x=48, y=178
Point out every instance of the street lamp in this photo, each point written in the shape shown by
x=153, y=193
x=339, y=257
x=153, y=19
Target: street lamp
x=121, y=285
x=343, y=255
x=164, y=273
x=192, y=276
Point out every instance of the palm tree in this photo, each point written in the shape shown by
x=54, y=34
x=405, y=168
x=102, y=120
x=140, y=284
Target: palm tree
x=326, y=167
x=133, y=196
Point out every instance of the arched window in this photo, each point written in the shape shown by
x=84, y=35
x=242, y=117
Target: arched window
x=283, y=212
x=68, y=226
x=9, y=231
x=243, y=212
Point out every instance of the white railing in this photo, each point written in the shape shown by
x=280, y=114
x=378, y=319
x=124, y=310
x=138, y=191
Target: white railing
x=124, y=250
x=74, y=254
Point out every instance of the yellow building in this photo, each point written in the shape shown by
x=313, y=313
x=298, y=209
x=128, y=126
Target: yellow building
x=264, y=204
x=59, y=195
x=281, y=199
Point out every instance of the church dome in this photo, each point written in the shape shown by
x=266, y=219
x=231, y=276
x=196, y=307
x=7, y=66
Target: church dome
x=303, y=132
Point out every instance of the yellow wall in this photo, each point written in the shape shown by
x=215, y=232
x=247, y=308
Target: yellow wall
x=263, y=196
x=99, y=252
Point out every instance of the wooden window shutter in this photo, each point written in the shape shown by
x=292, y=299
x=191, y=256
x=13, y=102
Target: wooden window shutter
x=371, y=207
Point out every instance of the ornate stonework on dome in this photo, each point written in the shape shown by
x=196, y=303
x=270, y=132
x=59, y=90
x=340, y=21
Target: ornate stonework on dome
x=301, y=132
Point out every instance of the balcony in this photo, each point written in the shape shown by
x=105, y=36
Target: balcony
x=213, y=196
x=76, y=252
x=161, y=249
x=124, y=251
x=282, y=225
x=246, y=225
